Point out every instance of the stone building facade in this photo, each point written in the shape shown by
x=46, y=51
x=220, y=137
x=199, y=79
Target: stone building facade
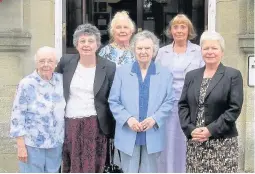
x=27, y=25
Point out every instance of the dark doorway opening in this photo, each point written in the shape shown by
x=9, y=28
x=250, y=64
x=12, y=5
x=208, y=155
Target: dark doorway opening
x=153, y=15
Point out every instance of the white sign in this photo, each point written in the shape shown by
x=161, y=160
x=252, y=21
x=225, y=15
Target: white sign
x=251, y=70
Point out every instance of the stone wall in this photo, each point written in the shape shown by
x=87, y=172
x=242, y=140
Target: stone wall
x=234, y=20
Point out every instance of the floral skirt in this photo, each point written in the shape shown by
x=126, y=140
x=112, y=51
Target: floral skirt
x=85, y=147
x=213, y=156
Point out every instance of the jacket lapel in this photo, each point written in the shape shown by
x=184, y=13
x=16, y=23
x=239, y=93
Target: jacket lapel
x=215, y=79
x=154, y=87
x=99, y=76
x=134, y=87
x=189, y=55
x=197, y=83
x=69, y=73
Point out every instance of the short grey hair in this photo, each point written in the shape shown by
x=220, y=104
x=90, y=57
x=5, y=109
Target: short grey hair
x=46, y=49
x=212, y=35
x=86, y=29
x=145, y=35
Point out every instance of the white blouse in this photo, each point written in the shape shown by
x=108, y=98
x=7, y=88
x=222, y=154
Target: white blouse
x=81, y=101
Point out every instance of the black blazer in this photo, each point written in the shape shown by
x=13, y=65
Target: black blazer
x=105, y=71
x=223, y=101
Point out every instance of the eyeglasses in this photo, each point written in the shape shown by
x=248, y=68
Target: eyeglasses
x=83, y=42
x=43, y=62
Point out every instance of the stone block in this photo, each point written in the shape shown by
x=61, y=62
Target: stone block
x=246, y=43
x=241, y=144
x=14, y=40
x=250, y=105
x=227, y=15
x=8, y=163
x=11, y=15
x=249, y=147
x=250, y=16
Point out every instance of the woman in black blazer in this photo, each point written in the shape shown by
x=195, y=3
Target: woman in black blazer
x=209, y=106
x=87, y=79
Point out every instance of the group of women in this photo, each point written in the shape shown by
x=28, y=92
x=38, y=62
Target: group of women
x=169, y=109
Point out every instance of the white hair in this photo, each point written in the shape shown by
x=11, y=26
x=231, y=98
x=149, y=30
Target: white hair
x=145, y=35
x=123, y=15
x=212, y=35
x=46, y=49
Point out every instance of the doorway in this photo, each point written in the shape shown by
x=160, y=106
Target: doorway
x=153, y=15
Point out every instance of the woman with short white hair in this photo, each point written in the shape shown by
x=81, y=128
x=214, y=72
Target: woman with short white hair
x=209, y=106
x=140, y=100
x=121, y=30
x=37, y=120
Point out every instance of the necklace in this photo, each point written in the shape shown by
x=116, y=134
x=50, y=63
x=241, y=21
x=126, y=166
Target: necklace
x=122, y=47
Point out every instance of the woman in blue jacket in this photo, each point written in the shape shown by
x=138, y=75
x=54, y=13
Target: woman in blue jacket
x=141, y=100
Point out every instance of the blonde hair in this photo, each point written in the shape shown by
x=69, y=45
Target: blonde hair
x=118, y=15
x=181, y=19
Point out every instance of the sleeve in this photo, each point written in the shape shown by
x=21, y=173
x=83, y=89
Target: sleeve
x=102, y=52
x=158, y=56
x=17, y=125
x=59, y=68
x=202, y=63
x=200, y=57
x=164, y=110
x=113, y=70
x=228, y=118
x=184, y=110
x=119, y=112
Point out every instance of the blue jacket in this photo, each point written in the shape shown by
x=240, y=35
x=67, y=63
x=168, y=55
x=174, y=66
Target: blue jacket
x=124, y=103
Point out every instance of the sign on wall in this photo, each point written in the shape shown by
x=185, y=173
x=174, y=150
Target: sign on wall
x=251, y=70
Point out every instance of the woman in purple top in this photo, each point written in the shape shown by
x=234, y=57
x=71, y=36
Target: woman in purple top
x=181, y=56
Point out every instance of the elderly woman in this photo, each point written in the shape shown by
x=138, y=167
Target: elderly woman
x=179, y=57
x=140, y=100
x=121, y=29
x=37, y=120
x=89, y=121
x=209, y=106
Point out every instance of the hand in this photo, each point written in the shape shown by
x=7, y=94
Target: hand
x=22, y=150
x=148, y=123
x=206, y=132
x=134, y=124
x=196, y=132
x=22, y=153
x=200, y=134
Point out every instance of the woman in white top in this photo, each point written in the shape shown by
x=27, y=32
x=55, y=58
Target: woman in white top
x=87, y=80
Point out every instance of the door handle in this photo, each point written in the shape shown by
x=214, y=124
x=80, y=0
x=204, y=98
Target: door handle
x=64, y=30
